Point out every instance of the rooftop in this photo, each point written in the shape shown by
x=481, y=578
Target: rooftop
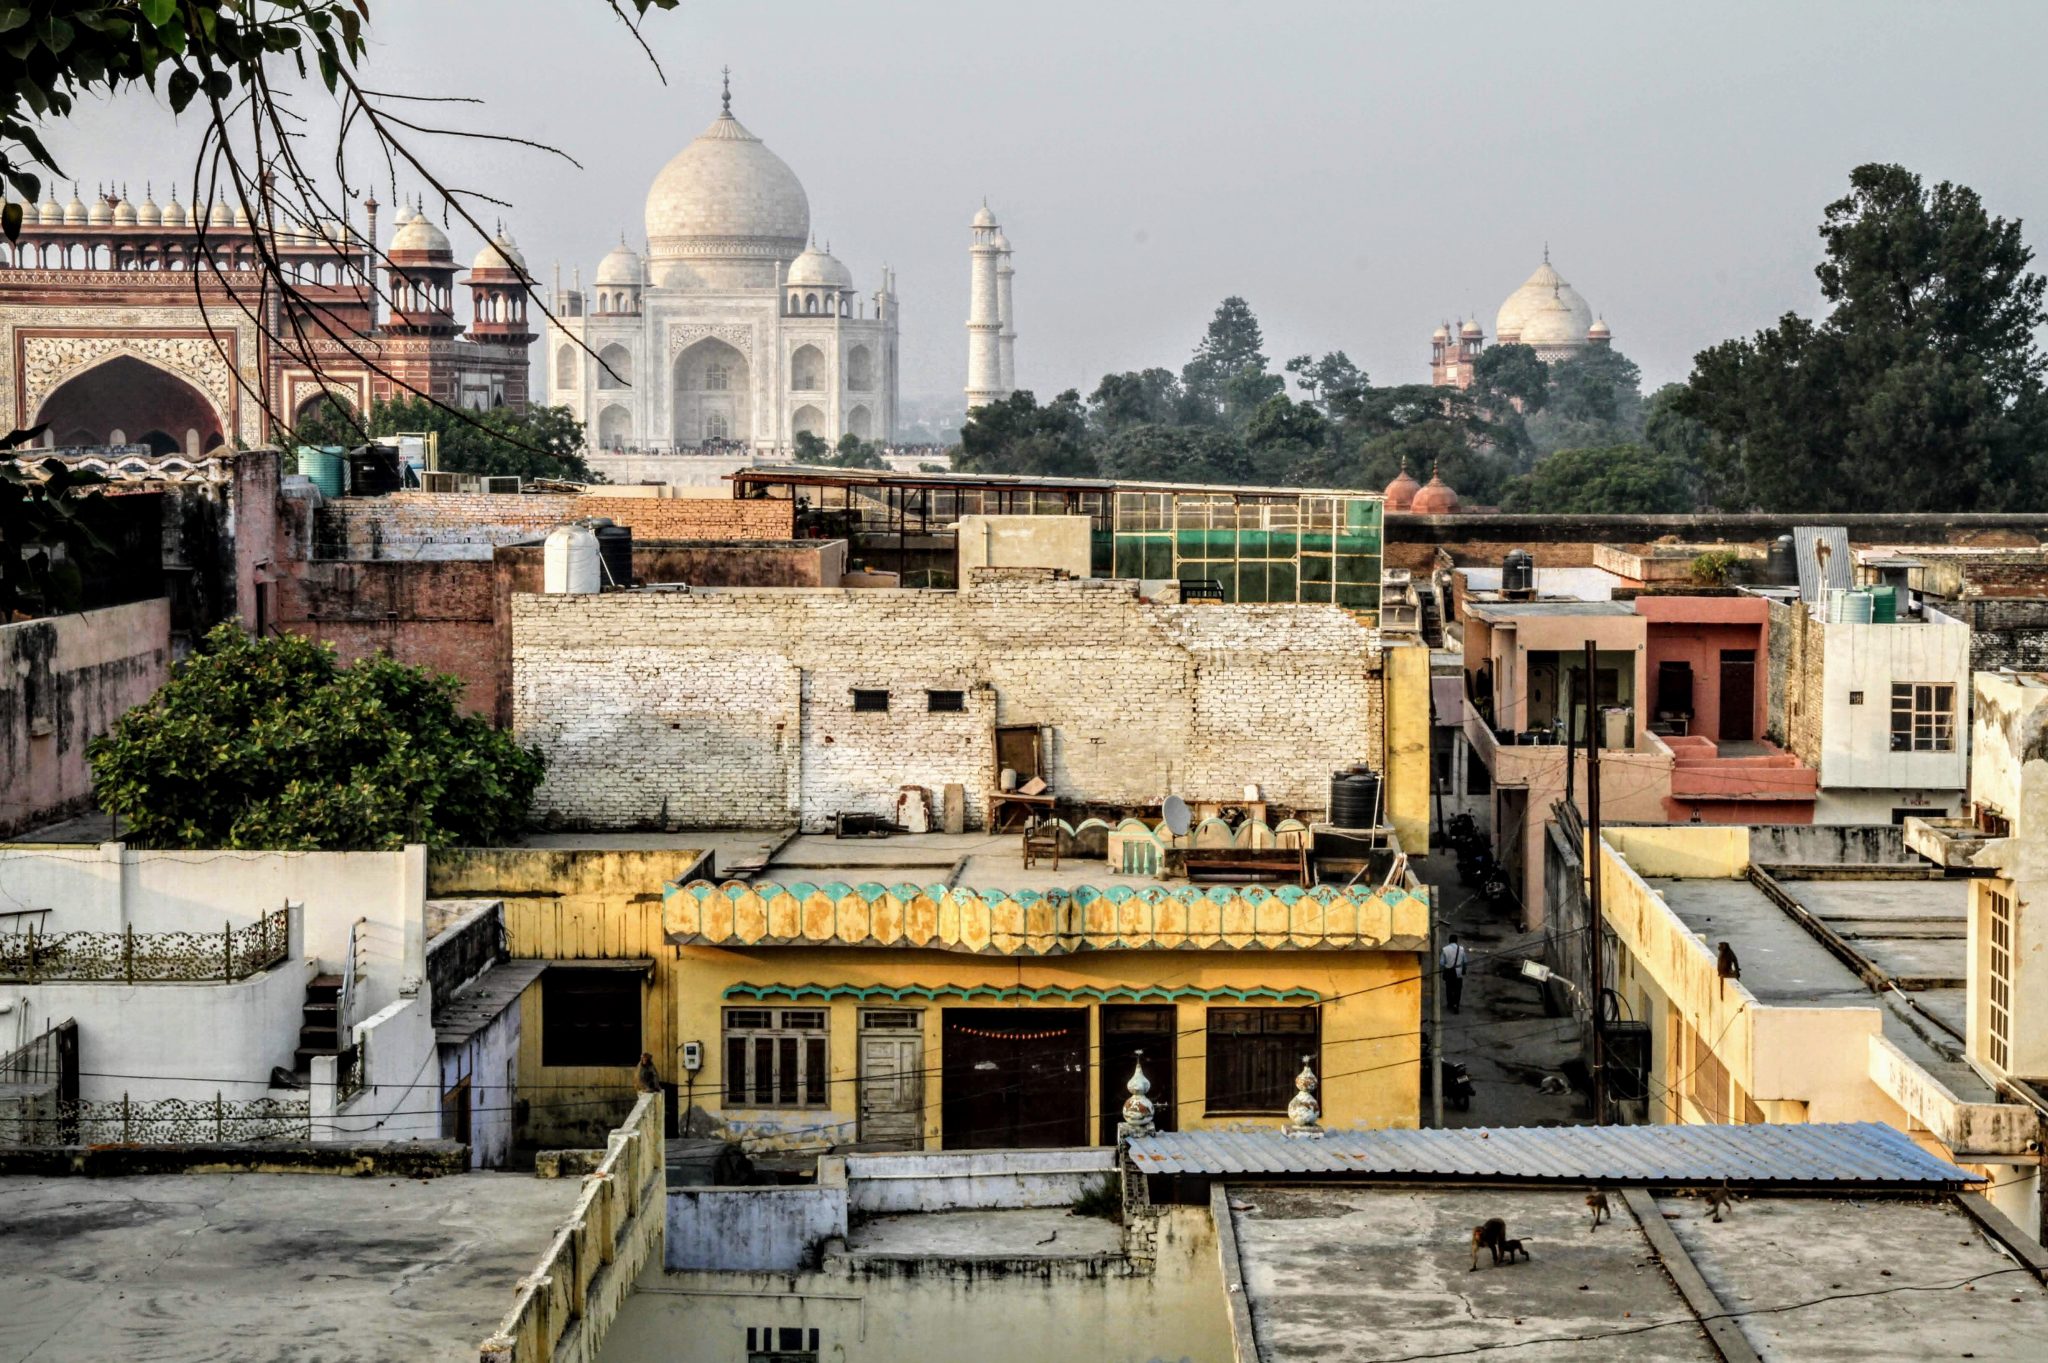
x=1582, y=584
x=1912, y=929
x=1383, y=1274
x=1493, y=611
x=267, y=1266
x=1003, y=1233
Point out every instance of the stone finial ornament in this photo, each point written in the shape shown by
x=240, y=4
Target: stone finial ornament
x=1304, y=1113
x=1138, y=1109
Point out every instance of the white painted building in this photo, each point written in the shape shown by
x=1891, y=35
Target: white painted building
x=193, y=976
x=1894, y=720
x=733, y=328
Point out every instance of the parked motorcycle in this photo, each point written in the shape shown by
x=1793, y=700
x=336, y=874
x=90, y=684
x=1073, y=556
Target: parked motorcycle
x=1458, y=1087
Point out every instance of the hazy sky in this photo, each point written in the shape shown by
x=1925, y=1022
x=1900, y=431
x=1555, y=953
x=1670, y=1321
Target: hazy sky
x=1358, y=171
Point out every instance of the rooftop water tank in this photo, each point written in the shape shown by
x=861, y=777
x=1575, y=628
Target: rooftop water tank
x=1850, y=608
x=569, y=562
x=324, y=464
x=1518, y=571
x=615, y=552
x=1781, y=564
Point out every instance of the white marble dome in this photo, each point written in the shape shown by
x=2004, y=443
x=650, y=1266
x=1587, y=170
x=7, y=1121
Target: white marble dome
x=419, y=235
x=499, y=253
x=726, y=195
x=819, y=269
x=1552, y=324
x=1544, y=292
x=620, y=267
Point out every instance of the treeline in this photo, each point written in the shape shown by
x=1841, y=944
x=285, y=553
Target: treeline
x=1920, y=390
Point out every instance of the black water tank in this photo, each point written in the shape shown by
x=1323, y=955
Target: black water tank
x=1355, y=798
x=1518, y=571
x=614, y=552
x=1781, y=566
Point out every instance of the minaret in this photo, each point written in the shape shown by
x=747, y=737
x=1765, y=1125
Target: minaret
x=1008, y=335
x=984, y=319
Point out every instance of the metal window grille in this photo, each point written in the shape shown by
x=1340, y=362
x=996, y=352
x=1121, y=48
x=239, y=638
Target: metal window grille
x=776, y=1057
x=945, y=702
x=870, y=701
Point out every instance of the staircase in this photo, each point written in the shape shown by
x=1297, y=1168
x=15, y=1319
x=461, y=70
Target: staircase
x=319, y=1026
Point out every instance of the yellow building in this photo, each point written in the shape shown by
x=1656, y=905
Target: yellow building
x=933, y=1016
x=1832, y=999
x=597, y=913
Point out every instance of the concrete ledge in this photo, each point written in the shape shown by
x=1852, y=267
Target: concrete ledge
x=403, y=1159
x=1713, y=1314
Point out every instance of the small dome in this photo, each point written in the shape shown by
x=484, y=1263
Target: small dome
x=420, y=237
x=102, y=212
x=818, y=269
x=174, y=212
x=1471, y=328
x=74, y=212
x=1442, y=333
x=1401, y=492
x=220, y=215
x=1598, y=331
x=49, y=212
x=983, y=218
x=499, y=253
x=1435, y=499
x=124, y=213
x=620, y=266
x=147, y=214
x=1002, y=242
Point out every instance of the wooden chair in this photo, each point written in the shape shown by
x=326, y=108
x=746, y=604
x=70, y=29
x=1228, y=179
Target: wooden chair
x=1041, y=840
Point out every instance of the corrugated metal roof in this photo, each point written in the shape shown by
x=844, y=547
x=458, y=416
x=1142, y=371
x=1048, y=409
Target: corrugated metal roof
x=473, y=1007
x=1840, y=575
x=1846, y=1152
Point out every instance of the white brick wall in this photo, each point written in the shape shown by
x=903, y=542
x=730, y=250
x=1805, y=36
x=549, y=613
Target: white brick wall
x=735, y=707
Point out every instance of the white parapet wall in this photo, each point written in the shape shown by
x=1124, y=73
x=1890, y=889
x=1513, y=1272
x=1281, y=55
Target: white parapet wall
x=957, y=1180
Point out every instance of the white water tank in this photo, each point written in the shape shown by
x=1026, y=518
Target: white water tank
x=569, y=562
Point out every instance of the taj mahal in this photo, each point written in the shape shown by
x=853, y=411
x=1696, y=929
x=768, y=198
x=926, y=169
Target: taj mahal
x=733, y=329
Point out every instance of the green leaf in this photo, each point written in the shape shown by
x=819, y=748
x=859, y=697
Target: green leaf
x=183, y=86
x=159, y=12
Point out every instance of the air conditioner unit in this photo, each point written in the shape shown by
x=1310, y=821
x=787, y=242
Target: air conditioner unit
x=1618, y=727
x=441, y=482
x=508, y=483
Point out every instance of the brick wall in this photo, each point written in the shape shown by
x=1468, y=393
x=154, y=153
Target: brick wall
x=2005, y=631
x=735, y=708
x=1797, y=692
x=419, y=525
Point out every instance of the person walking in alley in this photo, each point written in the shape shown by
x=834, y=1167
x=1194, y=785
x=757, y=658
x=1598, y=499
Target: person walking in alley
x=1453, y=960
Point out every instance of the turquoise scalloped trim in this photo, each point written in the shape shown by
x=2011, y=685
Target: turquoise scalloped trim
x=1049, y=993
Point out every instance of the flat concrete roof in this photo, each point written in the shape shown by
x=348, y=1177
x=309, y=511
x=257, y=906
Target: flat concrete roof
x=249, y=1267
x=1507, y=611
x=1383, y=1273
x=1909, y=928
x=981, y=861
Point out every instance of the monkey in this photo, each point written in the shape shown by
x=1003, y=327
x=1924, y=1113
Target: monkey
x=1489, y=1236
x=1511, y=1248
x=1720, y=1201
x=1726, y=964
x=647, y=1077
x=1596, y=1202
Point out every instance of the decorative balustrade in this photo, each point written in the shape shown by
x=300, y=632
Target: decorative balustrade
x=132, y=957
x=163, y=1121
x=350, y=1068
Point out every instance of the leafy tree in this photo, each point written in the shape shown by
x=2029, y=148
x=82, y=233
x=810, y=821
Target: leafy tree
x=271, y=743
x=1511, y=376
x=1016, y=435
x=1152, y=397
x=1176, y=454
x=855, y=453
x=539, y=442
x=1227, y=375
x=1921, y=390
x=811, y=448
x=1593, y=398
x=1610, y=479
x=1333, y=383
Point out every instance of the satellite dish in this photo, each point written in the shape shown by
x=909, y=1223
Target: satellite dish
x=1178, y=820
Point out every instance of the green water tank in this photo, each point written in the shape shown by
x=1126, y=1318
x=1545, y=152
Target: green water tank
x=326, y=466
x=1884, y=605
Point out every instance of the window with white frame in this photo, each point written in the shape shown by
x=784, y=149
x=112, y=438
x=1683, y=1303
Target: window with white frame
x=1998, y=1022
x=1923, y=717
x=776, y=1057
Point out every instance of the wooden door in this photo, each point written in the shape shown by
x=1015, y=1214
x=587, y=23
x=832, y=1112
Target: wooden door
x=1014, y=1078
x=1128, y=1029
x=892, y=1078
x=1738, y=694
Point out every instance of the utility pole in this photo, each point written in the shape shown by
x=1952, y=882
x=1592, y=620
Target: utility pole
x=1595, y=990
x=1571, y=737
x=1436, y=1013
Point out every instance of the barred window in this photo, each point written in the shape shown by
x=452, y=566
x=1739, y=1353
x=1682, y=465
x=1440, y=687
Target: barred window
x=1923, y=717
x=1254, y=1054
x=869, y=701
x=1998, y=940
x=945, y=702
x=776, y=1057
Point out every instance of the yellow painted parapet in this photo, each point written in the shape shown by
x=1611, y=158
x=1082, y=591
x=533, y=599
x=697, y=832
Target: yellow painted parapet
x=1048, y=923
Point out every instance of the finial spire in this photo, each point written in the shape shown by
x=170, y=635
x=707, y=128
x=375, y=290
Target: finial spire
x=1304, y=1113
x=1546, y=252
x=726, y=95
x=1138, y=1112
